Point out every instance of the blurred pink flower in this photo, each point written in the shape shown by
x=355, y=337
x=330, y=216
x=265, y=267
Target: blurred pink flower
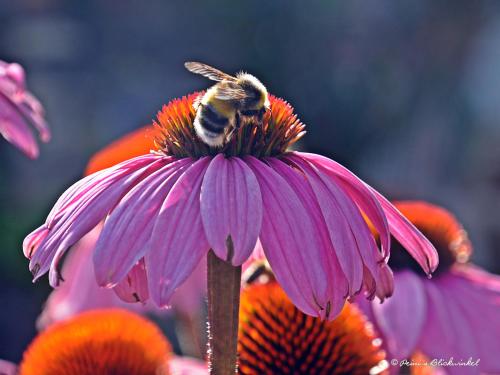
x=162, y=213
x=18, y=108
x=454, y=314
x=7, y=368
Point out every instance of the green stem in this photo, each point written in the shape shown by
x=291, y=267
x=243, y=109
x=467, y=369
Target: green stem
x=223, y=314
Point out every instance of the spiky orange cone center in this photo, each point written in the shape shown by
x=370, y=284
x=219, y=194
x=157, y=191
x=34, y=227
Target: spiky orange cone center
x=277, y=338
x=280, y=128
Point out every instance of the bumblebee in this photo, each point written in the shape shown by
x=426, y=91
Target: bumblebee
x=231, y=103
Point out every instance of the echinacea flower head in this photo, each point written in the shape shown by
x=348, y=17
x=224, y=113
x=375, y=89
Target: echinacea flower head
x=162, y=212
x=19, y=109
x=277, y=338
x=454, y=314
x=99, y=342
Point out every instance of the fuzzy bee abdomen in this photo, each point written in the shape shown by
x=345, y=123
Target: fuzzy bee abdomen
x=210, y=120
x=210, y=125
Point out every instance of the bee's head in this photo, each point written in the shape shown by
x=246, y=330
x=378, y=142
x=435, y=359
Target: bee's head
x=255, y=90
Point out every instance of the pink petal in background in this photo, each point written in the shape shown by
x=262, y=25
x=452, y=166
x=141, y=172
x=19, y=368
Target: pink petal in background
x=401, y=318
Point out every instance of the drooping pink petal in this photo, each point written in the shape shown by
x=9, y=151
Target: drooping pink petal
x=18, y=108
x=349, y=233
x=33, y=240
x=94, y=182
x=419, y=247
x=405, y=232
x=178, y=241
x=358, y=191
x=32, y=109
x=385, y=284
x=15, y=72
x=125, y=237
x=86, y=212
x=134, y=287
x=401, y=318
x=288, y=239
x=369, y=284
x=79, y=291
x=231, y=207
x=331, y=287
x=15, y=130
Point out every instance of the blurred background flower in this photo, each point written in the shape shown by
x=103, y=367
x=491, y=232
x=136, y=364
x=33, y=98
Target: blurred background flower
x=19, y=109
x=404, y=94
x=454, y=314
x=103, y=342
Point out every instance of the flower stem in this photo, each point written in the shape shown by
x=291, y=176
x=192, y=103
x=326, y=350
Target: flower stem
x=223, y=314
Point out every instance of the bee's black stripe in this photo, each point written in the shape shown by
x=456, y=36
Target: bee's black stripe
x=208, y=112
x=210, y=126
x=250, y=112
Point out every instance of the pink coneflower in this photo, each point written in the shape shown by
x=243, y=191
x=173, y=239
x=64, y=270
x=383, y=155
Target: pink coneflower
x=103, y=342
x=18, y=108
x=164, y=211
x=455, y=314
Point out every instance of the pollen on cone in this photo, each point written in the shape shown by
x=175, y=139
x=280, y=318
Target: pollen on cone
x=100, y=342
x=276, y=338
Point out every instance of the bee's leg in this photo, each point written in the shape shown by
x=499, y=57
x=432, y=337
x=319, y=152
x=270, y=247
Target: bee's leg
x=235, y=127
x=237, y=120
x=260, y=115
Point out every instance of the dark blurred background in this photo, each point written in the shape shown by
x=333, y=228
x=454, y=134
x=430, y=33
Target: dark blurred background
x=406, y=94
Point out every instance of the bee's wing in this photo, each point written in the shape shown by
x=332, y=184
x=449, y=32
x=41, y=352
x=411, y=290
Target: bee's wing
x=230, y=91
x=207, y=71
